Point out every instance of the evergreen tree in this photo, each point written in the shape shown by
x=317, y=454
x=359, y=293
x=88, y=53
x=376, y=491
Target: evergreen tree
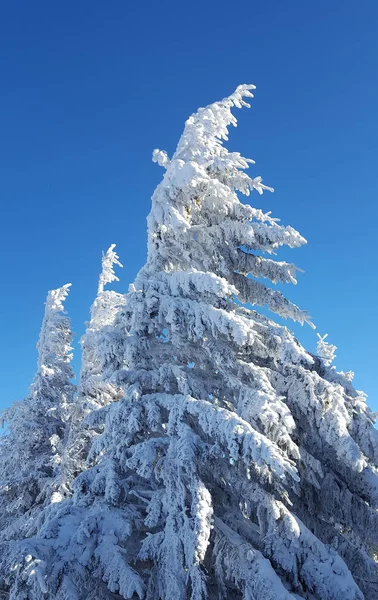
x=101, y=352
x=236, y=465
x=100, y=344
x=31, y=449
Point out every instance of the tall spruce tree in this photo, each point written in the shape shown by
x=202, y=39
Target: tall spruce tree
x=236, y=465
x=31, y=449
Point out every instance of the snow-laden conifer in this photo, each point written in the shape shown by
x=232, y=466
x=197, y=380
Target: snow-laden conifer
x=100, y=343
x=236, y=465
x=101, y=352
x=32, y=446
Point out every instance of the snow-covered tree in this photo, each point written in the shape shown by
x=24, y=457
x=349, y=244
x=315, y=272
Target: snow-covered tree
x=31, y=449
x=101, y=344
x=101, y=355
x=236, y=465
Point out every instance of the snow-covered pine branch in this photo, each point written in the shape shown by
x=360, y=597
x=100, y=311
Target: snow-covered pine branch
x=235, y=465
x=326, y=351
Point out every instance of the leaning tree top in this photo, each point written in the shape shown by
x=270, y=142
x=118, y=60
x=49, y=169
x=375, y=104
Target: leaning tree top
x=198, y=222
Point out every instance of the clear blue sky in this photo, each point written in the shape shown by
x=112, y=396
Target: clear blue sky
x=90, y=88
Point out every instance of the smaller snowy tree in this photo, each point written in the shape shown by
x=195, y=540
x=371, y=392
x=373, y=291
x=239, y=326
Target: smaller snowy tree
x=37, y=428
x=99, y=339
x=100, y=357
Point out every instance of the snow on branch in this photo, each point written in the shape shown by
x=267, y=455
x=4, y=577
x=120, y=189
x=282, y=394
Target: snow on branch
x=325, y=351
x=160, y=157
x=257, y=293
x=246, y=566
x=240, y=439
x=258, y=266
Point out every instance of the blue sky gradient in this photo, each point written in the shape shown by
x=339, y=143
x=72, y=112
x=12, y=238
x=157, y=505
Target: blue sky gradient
x=90, y=88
